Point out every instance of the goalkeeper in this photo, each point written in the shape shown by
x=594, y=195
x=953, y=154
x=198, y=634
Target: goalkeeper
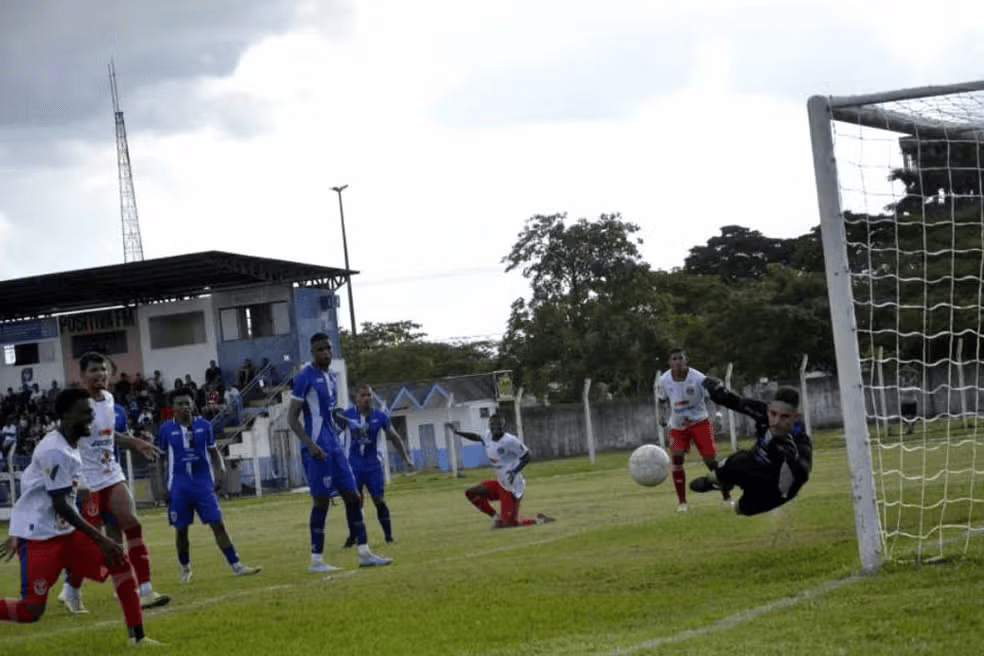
x=771, y=473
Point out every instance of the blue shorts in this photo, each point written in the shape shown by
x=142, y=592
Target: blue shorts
x=370, y=479
x=328, y=477
x=186, y=500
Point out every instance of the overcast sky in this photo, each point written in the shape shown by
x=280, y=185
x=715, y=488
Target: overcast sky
x=452, y=122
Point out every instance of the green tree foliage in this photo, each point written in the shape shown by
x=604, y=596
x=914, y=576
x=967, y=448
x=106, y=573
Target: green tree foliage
x=591, y=309
x=397, y=352
x=738, y=254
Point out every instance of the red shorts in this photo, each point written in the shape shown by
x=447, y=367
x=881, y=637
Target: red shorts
x=95, y=509
x=42, y=561
x=508, y=503
x=701, y=434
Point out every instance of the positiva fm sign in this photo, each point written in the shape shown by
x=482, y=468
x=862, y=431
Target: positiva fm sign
x=97, y=321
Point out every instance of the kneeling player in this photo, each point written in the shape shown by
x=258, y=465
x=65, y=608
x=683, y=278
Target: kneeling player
x=194, y=467
x=48, y=533
x=771, y=473
x=508, y=455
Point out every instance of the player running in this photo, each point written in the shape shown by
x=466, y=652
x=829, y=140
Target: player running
x=364, y=425
x=194, y=471
x=508, y=456
x=49, y=535
x=681, y=399
x=110, y=501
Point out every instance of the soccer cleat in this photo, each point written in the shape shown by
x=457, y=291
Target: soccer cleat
x=389, y=539
x=544, y=519
x=682, y=507
x=74, y=606
x=704, y=484
x=322, y=568
x=372, y=560
x=185, y=576
x=727, y=504
x=153, y=599
x=349, y=542
x=145, y=642
x=246, y=570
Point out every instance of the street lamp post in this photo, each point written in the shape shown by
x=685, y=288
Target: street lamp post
x=341, y=213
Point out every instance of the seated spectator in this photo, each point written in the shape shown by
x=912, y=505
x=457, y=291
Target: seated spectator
x=213, y=374
x=246, y=373
x=123, y=387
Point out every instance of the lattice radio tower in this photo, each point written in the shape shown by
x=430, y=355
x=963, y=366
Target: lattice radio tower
x=132, y=247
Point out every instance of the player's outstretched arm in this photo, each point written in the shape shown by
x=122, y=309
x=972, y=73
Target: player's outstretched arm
x=401, y=448
x=721, y=395
x=474, y=437
x=146, y=448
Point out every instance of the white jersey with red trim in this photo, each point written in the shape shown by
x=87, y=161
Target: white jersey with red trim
x=100, y=469
x=56, y=466
x=686, y=398
x=505, y=454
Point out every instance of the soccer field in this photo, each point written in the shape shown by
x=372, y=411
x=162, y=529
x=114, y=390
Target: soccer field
x=620, y=572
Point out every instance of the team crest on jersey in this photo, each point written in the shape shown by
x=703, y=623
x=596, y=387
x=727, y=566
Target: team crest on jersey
x=326, y=481
x=691, y=390
x=501, y=450
x=40, y=587
x=174, y=516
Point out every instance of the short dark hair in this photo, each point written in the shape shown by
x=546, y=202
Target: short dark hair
x=678, y=349
x=317, y=337
x=67, y=398
x=788, y=395
x=89, y=358
x=180, y=391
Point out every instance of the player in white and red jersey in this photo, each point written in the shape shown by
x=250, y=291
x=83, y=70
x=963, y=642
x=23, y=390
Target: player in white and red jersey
x=508, y=456
x=681, y=404
x=110, y=501
x=47, y=532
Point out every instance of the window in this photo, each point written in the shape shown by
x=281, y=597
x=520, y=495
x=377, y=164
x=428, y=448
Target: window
x=177, y=330
x=21, y=354
x=253, y=321
x=108, y=343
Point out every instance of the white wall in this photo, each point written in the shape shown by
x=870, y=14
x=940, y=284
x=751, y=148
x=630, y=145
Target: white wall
x=176, y=361
x=43, y=372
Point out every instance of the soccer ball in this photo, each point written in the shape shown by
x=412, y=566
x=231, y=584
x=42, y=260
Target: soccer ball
x=649, y=465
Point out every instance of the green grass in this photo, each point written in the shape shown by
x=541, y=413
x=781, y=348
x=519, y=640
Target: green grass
x=619, y=570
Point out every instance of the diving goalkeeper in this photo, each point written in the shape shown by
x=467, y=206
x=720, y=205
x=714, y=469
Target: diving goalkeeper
x=774, y=470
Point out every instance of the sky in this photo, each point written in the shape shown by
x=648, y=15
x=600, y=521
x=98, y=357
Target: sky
x=451, y=121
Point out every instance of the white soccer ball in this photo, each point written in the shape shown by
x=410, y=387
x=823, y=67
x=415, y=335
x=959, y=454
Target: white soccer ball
x=649, y=465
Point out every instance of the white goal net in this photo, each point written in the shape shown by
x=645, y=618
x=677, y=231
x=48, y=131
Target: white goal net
x=899, y=181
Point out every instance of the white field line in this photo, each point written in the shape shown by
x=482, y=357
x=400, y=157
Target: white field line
x=740, y=618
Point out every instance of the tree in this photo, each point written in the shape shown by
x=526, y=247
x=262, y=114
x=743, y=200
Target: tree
x=397, y=352
x=587, y=315
x=738, y=254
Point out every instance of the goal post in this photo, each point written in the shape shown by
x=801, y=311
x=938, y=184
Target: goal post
x=899, y=180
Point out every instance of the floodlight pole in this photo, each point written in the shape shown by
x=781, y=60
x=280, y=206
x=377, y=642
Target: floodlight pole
x=348, y=276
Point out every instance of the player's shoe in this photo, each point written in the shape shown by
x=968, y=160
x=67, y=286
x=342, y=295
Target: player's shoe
x=145, y=642
x=372, y=560
x=153, y=599
x=682, y=507
x=389, y=539
x=727, y=504
x=185, y=576
x=349, y=542
x=74, y=606
x=246, y=570
x=544, y=519
x=322, y=568
x=704, y=484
